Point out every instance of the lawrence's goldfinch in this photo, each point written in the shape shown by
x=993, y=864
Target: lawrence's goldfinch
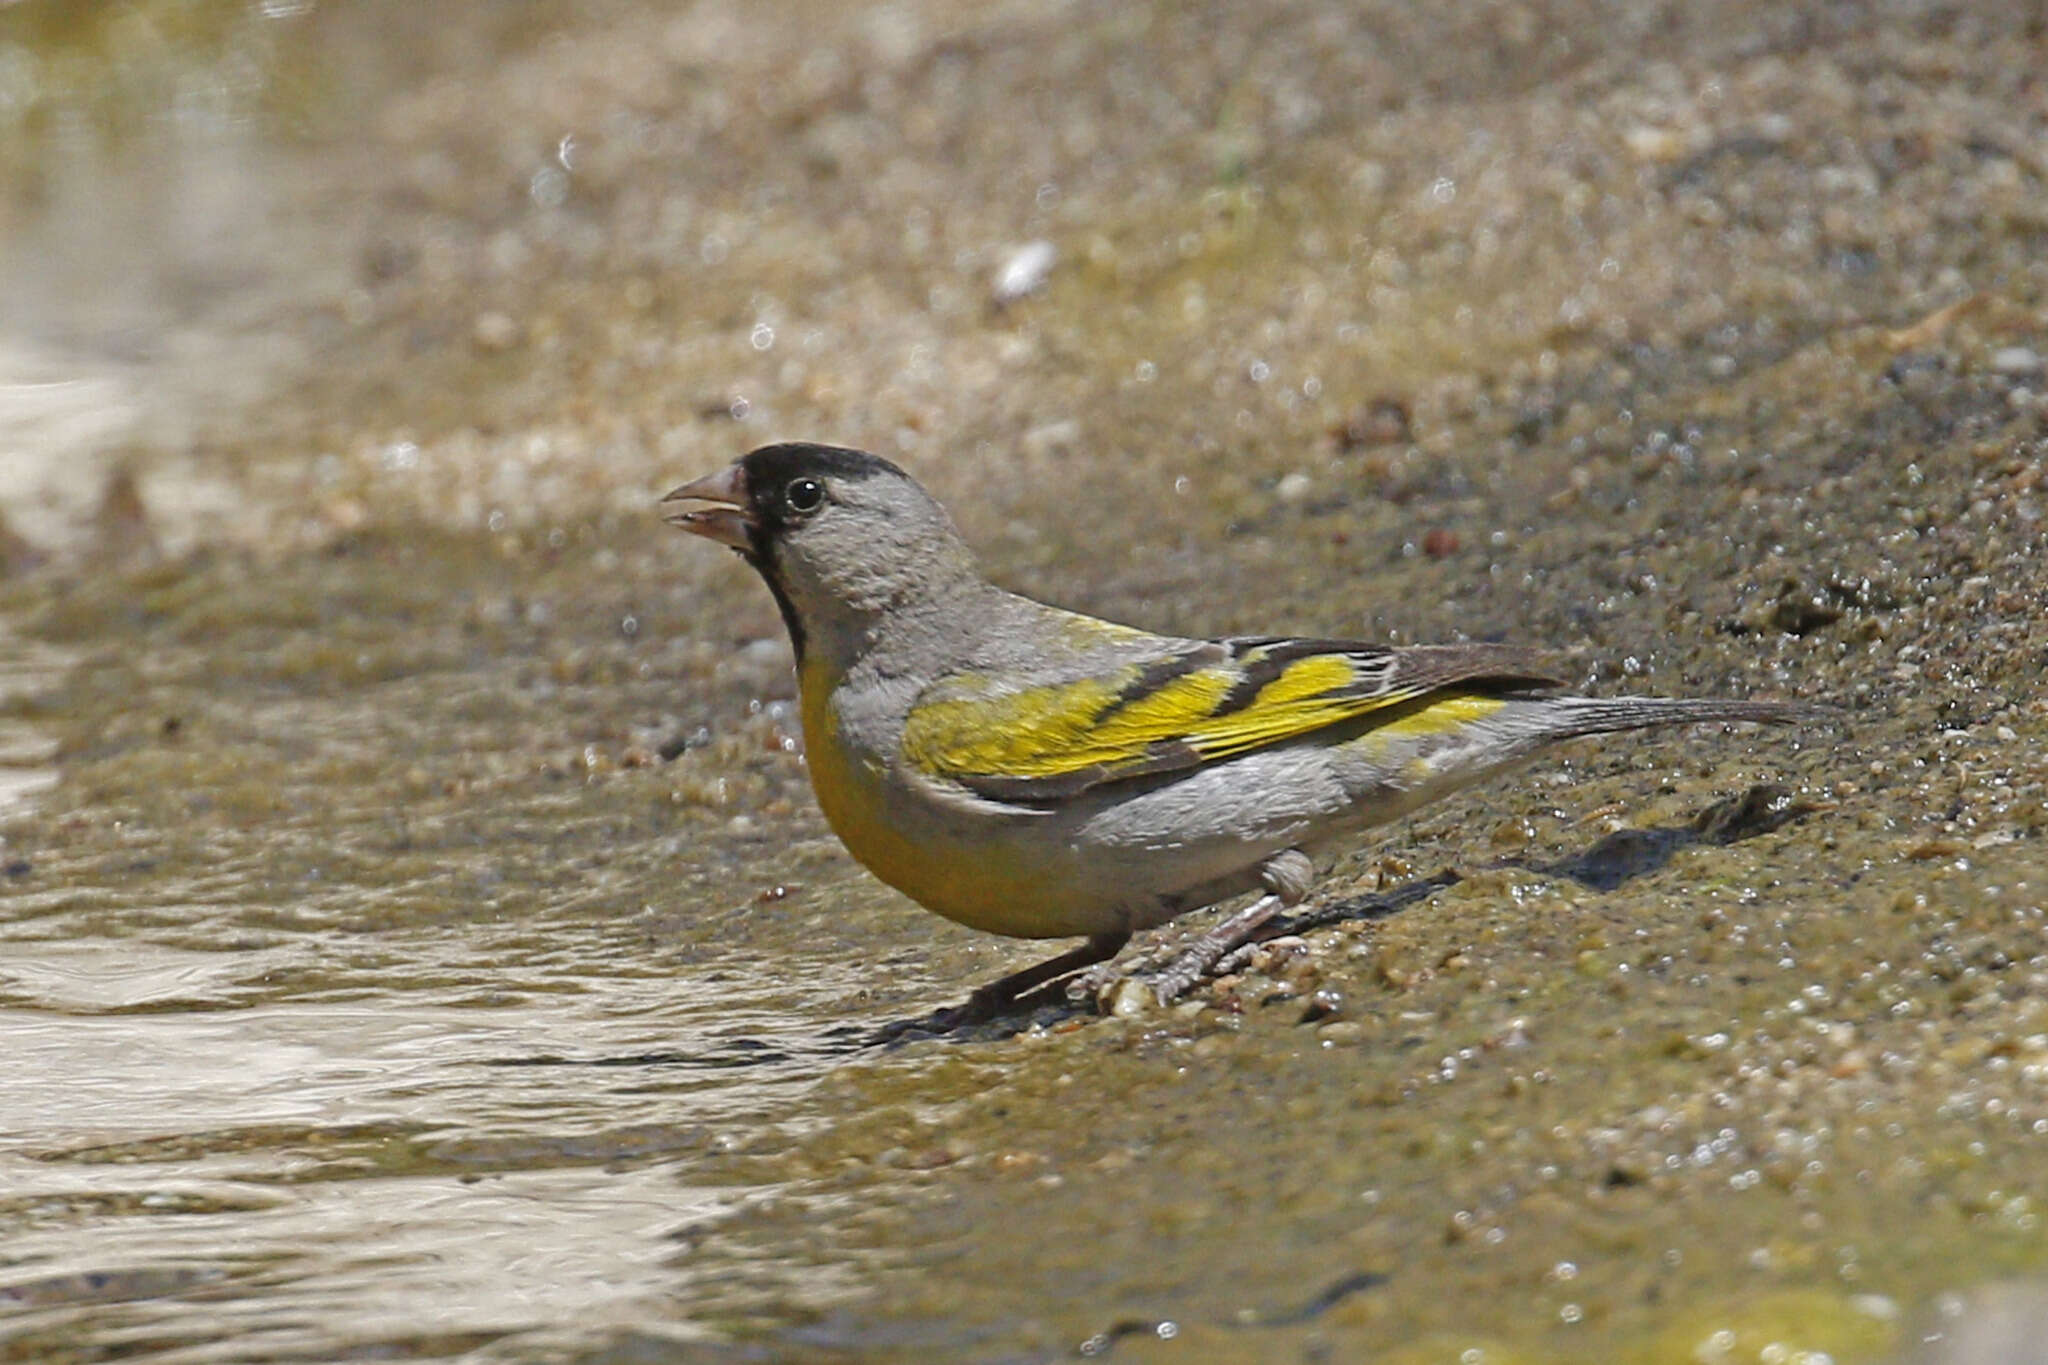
x=1035, y=772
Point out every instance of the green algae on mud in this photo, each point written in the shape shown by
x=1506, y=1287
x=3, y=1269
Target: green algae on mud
x=1537, y=1157
x=393, y=680
x=1544, y=1112
x=432, y=878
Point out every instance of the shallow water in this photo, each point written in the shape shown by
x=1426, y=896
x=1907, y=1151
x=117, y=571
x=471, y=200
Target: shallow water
x=281, y=1179
x=26, y=751
x=417, y=939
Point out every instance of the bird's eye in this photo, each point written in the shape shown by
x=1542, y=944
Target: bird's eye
x=804, y=495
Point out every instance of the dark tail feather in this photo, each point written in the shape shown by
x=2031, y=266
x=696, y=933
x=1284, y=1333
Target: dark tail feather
x=1572, y=716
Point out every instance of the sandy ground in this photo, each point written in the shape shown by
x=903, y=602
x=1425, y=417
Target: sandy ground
x=430, y=874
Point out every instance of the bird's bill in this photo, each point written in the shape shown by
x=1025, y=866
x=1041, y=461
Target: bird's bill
x=726, y=520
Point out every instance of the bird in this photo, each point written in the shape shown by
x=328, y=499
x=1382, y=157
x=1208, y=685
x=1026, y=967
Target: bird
x=1040, y=773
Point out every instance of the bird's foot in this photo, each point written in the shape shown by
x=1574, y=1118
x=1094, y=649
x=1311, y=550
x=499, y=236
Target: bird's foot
x=1001, y=997
x=1286, y=876
x=1117, y=989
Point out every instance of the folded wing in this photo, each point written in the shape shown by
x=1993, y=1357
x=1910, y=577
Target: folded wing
x=1202, y=703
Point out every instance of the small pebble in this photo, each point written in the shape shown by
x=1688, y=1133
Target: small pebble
x=1324, y=1005
x=1659, y=145
x=2016, y=360
x=1024, y=270
x=1383, y=422
x=495, y=332
x=1129, y=998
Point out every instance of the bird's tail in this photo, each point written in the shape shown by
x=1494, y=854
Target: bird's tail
x=1569, y=717
x=1397, y=774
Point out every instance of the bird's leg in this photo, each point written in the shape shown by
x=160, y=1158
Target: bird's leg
x=998, y=997
x=1286, y=877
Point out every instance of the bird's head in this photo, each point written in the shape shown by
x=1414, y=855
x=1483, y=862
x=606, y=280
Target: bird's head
x=843, y=538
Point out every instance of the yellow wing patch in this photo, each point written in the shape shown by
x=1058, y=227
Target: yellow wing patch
x=1056, y=738
x=1306, y=696
x=1027, y=732
x=1166, y=712
x=1444, y=717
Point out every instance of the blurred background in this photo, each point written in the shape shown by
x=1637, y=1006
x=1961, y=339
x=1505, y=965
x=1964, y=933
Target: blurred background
x=416, y=937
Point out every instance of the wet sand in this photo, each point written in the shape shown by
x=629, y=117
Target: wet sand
x=417, y=938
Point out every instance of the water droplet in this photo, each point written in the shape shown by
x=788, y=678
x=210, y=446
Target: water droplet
x=549, y=187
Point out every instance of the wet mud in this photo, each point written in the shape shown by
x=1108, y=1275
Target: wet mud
x=418, y=940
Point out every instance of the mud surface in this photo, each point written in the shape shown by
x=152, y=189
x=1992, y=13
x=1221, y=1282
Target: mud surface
x=417, y=938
